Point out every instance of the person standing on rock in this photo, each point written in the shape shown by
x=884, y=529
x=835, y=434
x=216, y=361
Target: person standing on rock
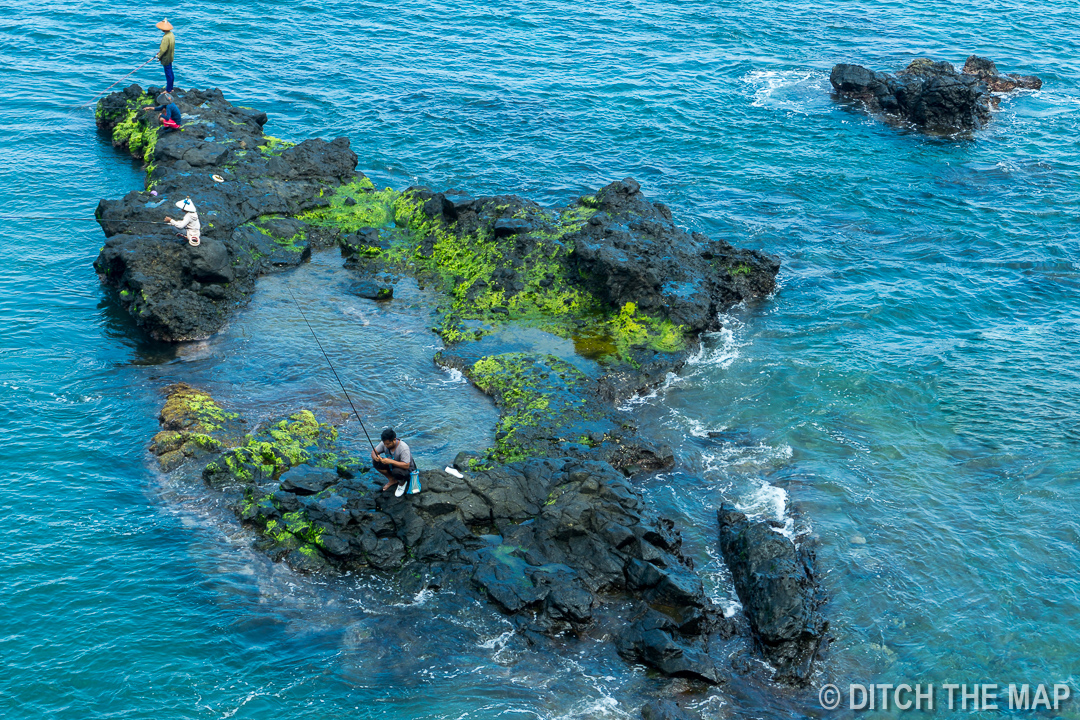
x=165, y=52
x=190, y=223
x=396, y=468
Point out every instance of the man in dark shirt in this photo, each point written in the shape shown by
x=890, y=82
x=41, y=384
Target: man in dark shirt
x=170, y=118
x=398, y=466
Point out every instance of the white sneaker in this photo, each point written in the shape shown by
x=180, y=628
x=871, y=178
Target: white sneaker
x=400, y=490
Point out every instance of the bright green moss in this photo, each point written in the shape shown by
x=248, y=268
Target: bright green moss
x=189, y=408
x=629, y=327
x=472, y=266
x=274, y=146
x=371, y=208
x=299, y=439
x=536, y=394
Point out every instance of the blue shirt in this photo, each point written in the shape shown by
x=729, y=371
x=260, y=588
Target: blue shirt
x=171, y=112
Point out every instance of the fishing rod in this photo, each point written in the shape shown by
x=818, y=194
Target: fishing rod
x=152, y=58
x=123, y=222
x=341, y=384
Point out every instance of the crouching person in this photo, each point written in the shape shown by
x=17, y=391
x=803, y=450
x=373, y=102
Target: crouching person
x=169, y=118
x=189, y=223
x=397, y=467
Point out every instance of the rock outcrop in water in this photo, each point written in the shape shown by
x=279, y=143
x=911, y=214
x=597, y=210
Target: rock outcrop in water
x=611, y=264
x=549, y=541
x=931, y=95
x=546, y=524
x=775, y=579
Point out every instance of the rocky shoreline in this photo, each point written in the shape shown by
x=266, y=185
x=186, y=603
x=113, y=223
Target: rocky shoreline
x=547, y=525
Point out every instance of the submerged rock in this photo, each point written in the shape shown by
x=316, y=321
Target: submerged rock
x=931, y=95
x=549, y=408
x=371, y=290
x=776, y=584
x=667, y=710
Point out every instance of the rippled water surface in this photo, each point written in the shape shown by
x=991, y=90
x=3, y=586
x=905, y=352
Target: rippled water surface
x=909, y=395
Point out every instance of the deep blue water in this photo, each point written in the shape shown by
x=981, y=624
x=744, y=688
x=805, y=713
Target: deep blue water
x=910, y=394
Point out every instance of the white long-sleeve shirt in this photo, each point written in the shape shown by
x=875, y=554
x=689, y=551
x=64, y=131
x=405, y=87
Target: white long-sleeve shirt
x=191, y=223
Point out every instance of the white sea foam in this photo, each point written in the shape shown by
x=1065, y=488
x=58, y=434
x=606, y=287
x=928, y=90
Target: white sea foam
x=765, y=501
x=729, y=455
x=721, y=348
x=696, y=427
x=769, y=502
x=454, y=376
x=790, y=90
x=669, y=381
x=498, y=642
x=718, y=584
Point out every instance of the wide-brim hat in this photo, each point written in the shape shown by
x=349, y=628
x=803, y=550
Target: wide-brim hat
x=164, y=26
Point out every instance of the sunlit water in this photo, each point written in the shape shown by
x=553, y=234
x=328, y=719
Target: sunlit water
x=909, y=395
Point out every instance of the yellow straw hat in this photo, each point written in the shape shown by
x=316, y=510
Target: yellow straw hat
x=164, y=26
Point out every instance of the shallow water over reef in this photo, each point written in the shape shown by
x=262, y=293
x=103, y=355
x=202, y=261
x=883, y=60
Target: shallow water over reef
x=911, y=390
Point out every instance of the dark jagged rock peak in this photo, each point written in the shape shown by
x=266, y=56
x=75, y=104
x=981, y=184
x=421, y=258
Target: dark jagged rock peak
x=931, y=95
x=775, y=580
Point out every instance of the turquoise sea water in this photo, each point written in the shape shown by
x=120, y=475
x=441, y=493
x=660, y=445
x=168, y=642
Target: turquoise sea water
x=910, y=394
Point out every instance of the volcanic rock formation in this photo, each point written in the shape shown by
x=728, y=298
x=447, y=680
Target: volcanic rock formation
x=931, y=95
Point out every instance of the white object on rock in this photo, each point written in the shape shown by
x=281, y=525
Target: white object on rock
x=451, y=471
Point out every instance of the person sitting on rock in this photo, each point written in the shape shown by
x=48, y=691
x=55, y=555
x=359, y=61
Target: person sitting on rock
x=397, y=467
x=190, y=223
x=170, y=114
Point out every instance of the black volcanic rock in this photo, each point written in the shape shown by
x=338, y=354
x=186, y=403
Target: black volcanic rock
x=779, y=592
x=634, y=252
x=931, y=95
x=176, y=292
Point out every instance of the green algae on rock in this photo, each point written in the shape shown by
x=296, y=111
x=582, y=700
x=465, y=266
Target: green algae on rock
x=536, y=395
x=130, y=126
x=297, y=440
x=193, y=425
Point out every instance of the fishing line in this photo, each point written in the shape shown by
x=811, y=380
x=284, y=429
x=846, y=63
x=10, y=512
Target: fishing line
x=289, y=287
x=123, y=222
x=152, y=58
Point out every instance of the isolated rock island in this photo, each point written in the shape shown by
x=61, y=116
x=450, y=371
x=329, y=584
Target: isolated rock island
x=931, y=95
x=547, y=523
